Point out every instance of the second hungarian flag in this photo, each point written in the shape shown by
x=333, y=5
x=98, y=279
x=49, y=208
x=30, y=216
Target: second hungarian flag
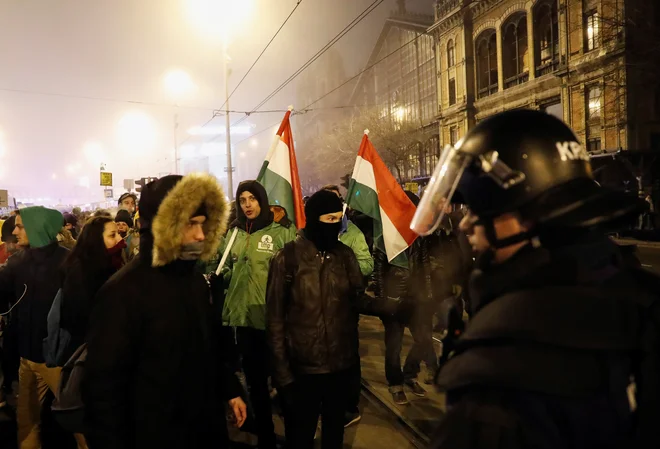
x=374, y=192
x=279, y=174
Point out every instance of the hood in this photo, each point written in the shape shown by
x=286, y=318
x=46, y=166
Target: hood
x=176, y=199
x=265, y=218
x=41, y=225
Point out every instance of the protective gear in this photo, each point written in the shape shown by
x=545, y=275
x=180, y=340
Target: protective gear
x=520, y=161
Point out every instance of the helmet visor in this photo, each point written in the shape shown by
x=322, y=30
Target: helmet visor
x=438, y=193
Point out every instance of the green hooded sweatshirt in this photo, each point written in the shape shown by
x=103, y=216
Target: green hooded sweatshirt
x=41, y=225
x=354, y=239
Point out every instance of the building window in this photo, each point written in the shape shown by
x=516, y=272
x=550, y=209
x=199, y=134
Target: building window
x=452, y=91
x=451, y=61
x=514, y=47
x=594, y=104
x=453, y=135
x=546, y=22
x=593, y=145
x=487, y=63
x=591, y=30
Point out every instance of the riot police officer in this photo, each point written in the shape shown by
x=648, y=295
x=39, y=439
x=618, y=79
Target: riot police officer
x=563, y=330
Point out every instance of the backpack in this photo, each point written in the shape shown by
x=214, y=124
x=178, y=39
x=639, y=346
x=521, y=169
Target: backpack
x=68, y=407
x=57, y=342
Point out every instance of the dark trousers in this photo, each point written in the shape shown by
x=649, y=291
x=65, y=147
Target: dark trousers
x=354, y=389
x=315, y=395
x=420, y=323
x=255, y=356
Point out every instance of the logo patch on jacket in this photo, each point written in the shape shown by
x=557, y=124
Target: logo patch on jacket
x=266, y=244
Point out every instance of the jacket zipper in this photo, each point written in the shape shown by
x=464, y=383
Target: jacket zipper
x=325, y=322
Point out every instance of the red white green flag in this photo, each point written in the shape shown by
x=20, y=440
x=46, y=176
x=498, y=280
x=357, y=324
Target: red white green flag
x=376, y=193
x=279, y=174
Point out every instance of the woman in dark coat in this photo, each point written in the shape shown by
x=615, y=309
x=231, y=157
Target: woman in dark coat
x=95, y=258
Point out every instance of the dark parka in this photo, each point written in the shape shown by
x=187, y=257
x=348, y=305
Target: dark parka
x=155, y=372
x=312, y=325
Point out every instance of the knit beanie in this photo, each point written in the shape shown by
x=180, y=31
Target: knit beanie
x=7, y=230
x=124, y=216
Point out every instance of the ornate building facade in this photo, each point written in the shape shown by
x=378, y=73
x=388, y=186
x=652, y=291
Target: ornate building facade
x=584, y=61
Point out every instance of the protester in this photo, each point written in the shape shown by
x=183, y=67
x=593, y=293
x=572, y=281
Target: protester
x=411, y=287
x=71, y=224
x=313, y=287
x=9, y=244
x=258, y=238
x=65, y=238
x=154, y=376
x=125, y=226
x=561, y=326
x=96, y=257
x=30, y=280
x=128, y=201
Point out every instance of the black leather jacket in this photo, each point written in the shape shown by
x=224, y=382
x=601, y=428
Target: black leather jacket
x=312, y=310
x=413, y=284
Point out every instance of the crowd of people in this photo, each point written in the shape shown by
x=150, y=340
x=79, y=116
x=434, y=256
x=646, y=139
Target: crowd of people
x=165, y=304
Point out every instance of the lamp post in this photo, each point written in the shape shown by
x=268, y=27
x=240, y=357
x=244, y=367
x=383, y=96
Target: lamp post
x=230, y=177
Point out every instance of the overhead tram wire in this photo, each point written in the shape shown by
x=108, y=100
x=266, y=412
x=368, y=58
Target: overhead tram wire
x=320, y=53
x=307, y=108
x=262, y=53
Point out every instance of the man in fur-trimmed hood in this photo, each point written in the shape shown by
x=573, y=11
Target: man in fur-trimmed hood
x=154, y=373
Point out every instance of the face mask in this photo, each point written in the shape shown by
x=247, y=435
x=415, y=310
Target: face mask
x=192, y=251
x=117, y=248
x=324, y=235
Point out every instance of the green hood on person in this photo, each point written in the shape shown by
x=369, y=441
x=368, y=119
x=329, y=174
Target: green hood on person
x=41, y=225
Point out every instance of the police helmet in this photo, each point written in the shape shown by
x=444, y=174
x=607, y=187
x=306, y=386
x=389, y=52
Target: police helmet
x=521, y=161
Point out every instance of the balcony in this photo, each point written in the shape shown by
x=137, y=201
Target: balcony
x=444, y=7
x=516, y=80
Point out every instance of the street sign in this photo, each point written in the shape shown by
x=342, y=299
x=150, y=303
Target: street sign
x=413, y=187
x=4, y=198
x=233, y=169
x=106, y=179
x=129, y=184
x=108, y=193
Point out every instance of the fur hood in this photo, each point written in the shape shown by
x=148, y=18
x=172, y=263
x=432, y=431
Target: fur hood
x=177, y=208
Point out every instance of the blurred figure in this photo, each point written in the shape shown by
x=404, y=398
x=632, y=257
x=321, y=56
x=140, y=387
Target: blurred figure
x=314, y=284
x=30, y=280
x=65, y=238
x=9, y=244
x=71, y=224
x=412, y=288
x=125, y=227
x=155, y=375
x=96, y=257
x=128, y=201
x=258, y=238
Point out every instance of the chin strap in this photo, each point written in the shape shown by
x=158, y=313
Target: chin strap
x=496, y=243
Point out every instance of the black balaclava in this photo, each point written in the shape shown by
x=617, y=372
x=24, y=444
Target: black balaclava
x=265, y=217
x=324, y=235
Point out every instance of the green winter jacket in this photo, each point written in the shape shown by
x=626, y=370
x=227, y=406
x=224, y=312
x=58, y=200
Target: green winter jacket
x=246, y=273
x=354, y=239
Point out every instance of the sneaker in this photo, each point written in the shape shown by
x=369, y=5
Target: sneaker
x=351, y=418
x=398, y=395
x=416, y=388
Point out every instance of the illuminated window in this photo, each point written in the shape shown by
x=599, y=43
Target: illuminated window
x=487, y=63
x=593, y=103
x=591, y=31
x=515, y=51
x=451, y=59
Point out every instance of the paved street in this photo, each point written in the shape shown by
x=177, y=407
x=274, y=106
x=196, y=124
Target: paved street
x=647, y=252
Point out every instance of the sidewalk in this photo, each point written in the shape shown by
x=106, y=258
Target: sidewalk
x=421, y=416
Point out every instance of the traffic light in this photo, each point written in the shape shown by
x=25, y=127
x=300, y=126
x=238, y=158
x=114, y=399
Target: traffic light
x=346, y=180
x=142, y=182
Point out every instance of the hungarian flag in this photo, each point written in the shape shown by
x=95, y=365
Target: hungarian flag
x=279, y=174
x=374, y=192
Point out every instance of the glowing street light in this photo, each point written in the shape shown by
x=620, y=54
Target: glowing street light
x=218, y=18
x=178, y=84
x=94, y=152
x=136, y=132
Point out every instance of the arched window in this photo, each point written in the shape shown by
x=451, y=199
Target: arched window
x=546, y=24
x=486, y=45
x=451, y=58
x=515, y=50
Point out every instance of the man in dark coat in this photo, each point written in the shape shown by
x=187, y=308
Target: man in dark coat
x=30, y=281
x=155, y=371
